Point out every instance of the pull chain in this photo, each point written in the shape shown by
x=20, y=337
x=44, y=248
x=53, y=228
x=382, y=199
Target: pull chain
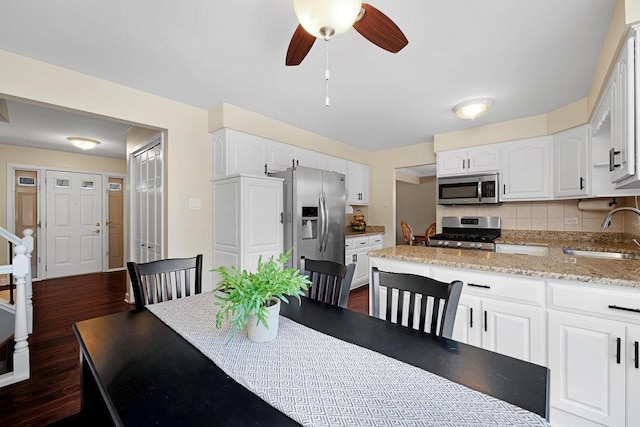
x=327, y=76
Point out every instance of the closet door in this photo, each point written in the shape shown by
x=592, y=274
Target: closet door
x=147, y=175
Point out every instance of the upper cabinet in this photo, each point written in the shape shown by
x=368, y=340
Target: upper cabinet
x=526, y=167
x=357, y=184
x=237, y=152
x=570, y=159
x=469, y=161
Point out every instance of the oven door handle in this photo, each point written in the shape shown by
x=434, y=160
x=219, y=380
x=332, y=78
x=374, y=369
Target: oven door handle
x=479, y=190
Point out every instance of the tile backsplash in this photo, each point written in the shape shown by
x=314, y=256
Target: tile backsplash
x=552, y=215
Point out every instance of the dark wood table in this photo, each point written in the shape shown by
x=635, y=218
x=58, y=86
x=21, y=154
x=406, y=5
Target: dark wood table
x=137, y=371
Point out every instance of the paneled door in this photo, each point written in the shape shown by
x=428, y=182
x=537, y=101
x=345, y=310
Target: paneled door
x=147, y=201
x=74, y=223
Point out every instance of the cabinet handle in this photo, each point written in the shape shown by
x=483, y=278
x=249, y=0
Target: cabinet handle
x=617, y=307
x=363, y=243
x=504, y=188
x=581, y=183
x=612, y=159
x=468, y=163
x=618, y=345
x=281, y=217
x=265, y=168
x=485, y=320
x=293, y=162
x=354, y=258
x=471, y=317
x=475, y=285
x=297, y=162
x=462, y=163
x=635, y=354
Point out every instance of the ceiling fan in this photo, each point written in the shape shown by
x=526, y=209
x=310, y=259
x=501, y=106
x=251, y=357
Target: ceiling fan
x=324, y=19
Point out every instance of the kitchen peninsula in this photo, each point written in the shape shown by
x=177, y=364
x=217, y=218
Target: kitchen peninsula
x=577, y=315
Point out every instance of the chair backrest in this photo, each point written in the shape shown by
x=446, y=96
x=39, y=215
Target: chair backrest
x=162, y=280
x=330, y=281
x=425, y=297
x=407, y=233
x=431, y=230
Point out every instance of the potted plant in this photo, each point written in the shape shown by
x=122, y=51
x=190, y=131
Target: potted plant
x=253, y=299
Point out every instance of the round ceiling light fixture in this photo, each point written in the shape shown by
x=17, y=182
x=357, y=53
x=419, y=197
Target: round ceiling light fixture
x=469, y=110
x=83, y=143
x=328, y=17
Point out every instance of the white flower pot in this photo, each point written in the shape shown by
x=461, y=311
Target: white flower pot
x=256, y=330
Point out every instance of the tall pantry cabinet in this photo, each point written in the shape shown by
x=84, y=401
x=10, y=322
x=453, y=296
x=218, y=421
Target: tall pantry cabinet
x=245, y=209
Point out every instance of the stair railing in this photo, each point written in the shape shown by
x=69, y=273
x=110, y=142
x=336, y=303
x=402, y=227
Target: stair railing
x=27, y=242
x=20, y=269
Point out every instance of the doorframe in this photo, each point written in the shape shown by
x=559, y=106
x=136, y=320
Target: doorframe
x=11, y=210
x=105, y=214
x=42, y=209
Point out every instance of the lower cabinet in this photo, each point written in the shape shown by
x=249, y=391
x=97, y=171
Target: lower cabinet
x=356, y=251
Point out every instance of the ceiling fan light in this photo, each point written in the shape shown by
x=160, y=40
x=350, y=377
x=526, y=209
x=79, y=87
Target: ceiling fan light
x=469, y=110
x=83, y=143
x=338, y=15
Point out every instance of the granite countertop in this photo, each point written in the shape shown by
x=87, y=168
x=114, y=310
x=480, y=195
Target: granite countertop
x=368, y=231
x=556, y=265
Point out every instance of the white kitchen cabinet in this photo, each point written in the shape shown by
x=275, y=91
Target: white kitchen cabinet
x=356, y=251
x=357, y=184
x=499, y=313
x=236, y=152
x=247, y=213
x=586, y=379
x=480, y=159
x=526, y=169
x=333, y=164
x=603, y=323
x=279, y=156
x=304, y=157
x=570, y=160
x=623, y=147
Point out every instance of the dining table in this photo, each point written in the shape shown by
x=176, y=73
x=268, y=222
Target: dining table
x=168, y=364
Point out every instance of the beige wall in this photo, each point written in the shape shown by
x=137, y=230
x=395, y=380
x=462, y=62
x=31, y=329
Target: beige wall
x=189, y=151
x=24, y=156
x=415, y=204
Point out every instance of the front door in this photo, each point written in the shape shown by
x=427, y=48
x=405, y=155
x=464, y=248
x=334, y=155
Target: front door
x=74, y=223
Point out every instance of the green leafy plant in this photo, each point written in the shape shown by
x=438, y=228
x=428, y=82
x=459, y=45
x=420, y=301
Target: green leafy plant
x=251, y=293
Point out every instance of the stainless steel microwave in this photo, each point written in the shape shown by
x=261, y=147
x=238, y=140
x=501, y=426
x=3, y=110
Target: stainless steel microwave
x=468, y=190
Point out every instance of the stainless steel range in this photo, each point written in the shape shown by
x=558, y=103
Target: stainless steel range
x=468, y=232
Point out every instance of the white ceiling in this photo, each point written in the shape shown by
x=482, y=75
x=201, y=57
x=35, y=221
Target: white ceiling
x=531, y=57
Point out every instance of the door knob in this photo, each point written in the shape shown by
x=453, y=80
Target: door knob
x=97, y=231
x=97, y=224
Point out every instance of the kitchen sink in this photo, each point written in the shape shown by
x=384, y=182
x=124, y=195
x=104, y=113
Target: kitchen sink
x=598, y=254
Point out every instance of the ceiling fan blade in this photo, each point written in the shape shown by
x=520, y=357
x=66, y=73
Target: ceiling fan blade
x=299, y=46
x=376, y=27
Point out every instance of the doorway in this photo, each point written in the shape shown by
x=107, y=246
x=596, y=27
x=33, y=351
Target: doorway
x=27, y=210
x=115, y=222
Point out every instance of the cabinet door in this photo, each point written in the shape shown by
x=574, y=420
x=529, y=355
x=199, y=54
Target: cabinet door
x=361, y=275
x=466, y=327
x=526, y=167
x=452, y=162
x=357, y=184
x=279, y=156
x=586, y=379
x=514, y=330
x=570, y=162
x=246, y=153
x=633, y=374
x=483, y=159
x=304, y=157
x=623, y=113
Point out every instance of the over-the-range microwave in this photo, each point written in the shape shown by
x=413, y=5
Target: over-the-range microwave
x=468, y=190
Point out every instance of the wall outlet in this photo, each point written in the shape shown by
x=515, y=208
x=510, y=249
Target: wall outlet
x=571, y=221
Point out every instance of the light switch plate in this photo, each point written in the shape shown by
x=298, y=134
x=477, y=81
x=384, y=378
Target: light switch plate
x=195, y=203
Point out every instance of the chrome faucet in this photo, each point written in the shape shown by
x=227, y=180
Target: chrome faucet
x=607, y=221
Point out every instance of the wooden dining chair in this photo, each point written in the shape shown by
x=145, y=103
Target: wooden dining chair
x=164, y=279
x=431, y=303
x=430, y=231
x=407, y=233
x=330, y=281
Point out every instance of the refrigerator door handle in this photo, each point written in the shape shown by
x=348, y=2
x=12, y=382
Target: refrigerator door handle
x=326, y=222
x=323, y=219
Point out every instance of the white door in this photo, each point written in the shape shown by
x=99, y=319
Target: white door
x=74, y=223
x=467, y=325
x=147, y=201
x=586, y=378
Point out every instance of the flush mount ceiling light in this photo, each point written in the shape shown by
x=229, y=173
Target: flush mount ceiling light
x=83, y=143
x=472, y=109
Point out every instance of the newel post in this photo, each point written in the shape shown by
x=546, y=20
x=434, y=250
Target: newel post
x=21, y=267
x=27, y=242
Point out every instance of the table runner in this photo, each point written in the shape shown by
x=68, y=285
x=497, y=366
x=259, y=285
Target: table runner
x=319, y=380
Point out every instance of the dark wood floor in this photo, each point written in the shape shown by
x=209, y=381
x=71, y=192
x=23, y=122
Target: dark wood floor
x=53, y=391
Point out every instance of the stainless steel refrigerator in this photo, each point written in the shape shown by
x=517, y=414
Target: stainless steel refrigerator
x=314, y=203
